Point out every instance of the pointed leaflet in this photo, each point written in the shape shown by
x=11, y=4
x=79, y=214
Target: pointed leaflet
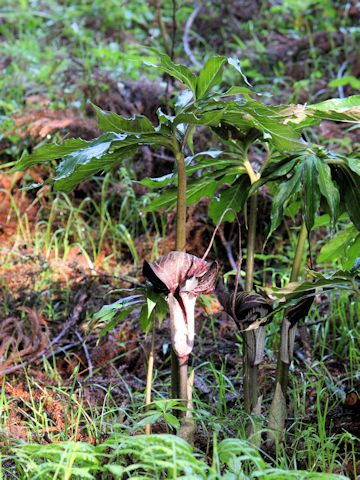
x=235, y=62
x=265, y=119
x=311, y=190
x=337, y=246
x=349, y=184
x=197, y=189
x=233, y=197
x=103, y=154
x=280, y=199
x=83, y=164
x=354, y=164
x=210, y=75
x=182, y=73
x=112, y=122
x=116, y=312
x=328, y=188
x=274, y=170
x=337, y=109
x=50, y=152
x=199, y=117
x=352, y=254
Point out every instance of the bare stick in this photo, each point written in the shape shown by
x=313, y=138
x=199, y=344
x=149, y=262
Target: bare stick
x=186, y=36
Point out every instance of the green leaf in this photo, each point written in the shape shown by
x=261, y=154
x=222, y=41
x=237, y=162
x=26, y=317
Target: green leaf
x=337, y=109
x=158, y=182
x=181, y=72
x=50, y=152
x=338, y=105
x=294, y=292
x=349, y=191
x=115, y=312
x=102, y=154
x=311, y=190
x=84, y=164
x=286, y=189
x=274, y=170
x=336, y=248
x=346, y=80
x=198, y=117
x=235, y=62
x=149, y=419
x=110, y=121
x=352, y=254
x=354, y=164
x=171, y=420
x=235, y=90
x=196, y=189
x=265, y=119
x=184, y=99
x=328, y=188
x=233, y=197
x=210, y=75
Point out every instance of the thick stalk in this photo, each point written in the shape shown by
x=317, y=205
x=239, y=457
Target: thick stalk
x=149, y=376
x=278, y=409
x=295, y=271
x=249, y=278
x=180, y=245
x=282, y=368
x=183, y=380
x=251, y=391
x=250, y=370
x=180, y=242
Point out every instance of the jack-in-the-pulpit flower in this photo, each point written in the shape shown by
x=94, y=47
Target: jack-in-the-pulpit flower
x=182, y=277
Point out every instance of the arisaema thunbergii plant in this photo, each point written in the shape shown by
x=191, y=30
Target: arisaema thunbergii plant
x=225, y=174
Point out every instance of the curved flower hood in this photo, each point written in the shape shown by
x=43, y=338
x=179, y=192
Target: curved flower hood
x=183, y=277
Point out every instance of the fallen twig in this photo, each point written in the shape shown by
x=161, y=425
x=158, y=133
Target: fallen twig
x=186, y=36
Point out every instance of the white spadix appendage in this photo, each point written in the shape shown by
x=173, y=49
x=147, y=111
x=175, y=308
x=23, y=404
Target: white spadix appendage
x=182, y=323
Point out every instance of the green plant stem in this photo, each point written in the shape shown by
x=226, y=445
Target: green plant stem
x=149, y=375
x=295, y=271
x=251, y=390
x=180, y=243
x=183, y=380
x=249, y=278
x=278, y=409
x=282, y=368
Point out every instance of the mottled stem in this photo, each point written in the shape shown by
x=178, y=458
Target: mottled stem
x=180, y=243
x=251, y=389
x=180, y=246
x=278, y=409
